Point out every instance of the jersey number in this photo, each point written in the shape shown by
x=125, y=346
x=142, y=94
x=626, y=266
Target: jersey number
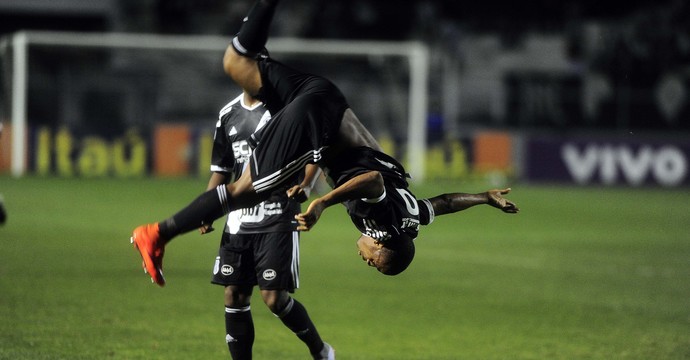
x=410, y=201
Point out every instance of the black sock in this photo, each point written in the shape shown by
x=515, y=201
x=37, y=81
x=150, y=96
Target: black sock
x=295, y=317
x=253, y=34
x=239, y=328
x=207, y=207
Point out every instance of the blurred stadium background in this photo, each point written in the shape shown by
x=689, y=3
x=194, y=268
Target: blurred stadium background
x=580, y=102
x=573, y=92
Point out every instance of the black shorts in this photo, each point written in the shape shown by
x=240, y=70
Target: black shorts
x=270, y=260
x=307, y=123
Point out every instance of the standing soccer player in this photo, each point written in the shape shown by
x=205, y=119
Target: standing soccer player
x=259, y=245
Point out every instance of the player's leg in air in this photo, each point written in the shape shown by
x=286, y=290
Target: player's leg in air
x=150, y=239
x=239, y=61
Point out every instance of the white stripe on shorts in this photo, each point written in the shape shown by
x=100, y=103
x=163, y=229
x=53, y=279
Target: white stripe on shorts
x=294, y=267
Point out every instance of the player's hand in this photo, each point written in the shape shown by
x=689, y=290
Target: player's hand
x=206, y=228
x=308, y=219
x=297, y=193
x=496, y=199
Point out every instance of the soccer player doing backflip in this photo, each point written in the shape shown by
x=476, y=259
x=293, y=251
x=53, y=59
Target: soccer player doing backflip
x=312, y=123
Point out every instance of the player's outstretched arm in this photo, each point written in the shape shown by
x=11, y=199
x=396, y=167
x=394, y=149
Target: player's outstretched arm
x=368, y=185
x=450, y=203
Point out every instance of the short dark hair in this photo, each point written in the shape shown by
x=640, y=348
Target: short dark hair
x=396, y=255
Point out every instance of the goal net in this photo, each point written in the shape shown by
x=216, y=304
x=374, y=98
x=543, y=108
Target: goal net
x=77, y=104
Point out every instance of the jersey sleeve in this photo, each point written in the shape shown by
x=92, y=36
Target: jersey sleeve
x=426, y=212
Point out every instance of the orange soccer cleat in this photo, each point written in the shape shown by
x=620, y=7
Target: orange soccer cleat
x=147, y=241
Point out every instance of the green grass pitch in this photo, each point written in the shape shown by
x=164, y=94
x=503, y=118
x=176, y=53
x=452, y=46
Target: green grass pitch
x=580, y=273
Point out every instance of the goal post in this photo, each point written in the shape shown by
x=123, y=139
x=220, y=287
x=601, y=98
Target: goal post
x=414, y=53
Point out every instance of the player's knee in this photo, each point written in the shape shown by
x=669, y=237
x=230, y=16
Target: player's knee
x=276, y=301
x=236, y=297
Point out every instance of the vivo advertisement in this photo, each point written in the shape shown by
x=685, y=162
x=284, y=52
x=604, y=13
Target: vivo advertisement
x=625, y=161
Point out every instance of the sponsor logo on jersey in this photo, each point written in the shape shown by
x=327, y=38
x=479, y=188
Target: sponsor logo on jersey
x=269, y=274
x=410, y=223
x=241, y=151
x=233, y=131
x=273, y=208
x=227, y=270
x=229, y=339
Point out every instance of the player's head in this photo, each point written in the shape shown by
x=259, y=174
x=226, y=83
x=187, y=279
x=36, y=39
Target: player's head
x=389, y=258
